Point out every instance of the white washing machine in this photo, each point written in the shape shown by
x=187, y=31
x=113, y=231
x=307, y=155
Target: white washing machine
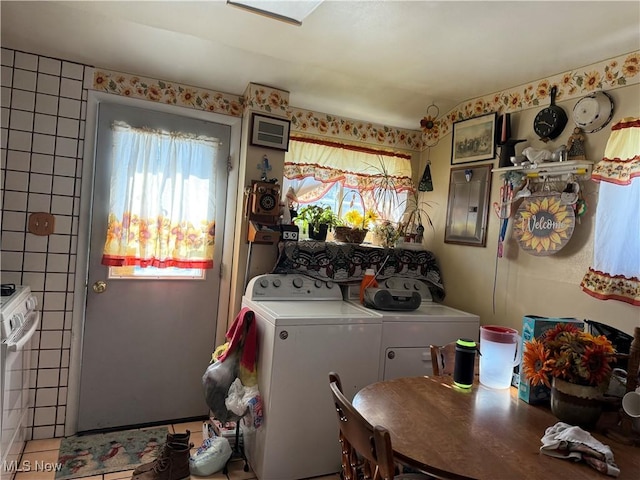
x=406, y=335
x=305, y=330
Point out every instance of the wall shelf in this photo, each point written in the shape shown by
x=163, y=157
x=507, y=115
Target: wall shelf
x=579, y=168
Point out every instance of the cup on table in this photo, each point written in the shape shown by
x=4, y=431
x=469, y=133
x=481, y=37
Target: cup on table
x=631, y=406
x=499, y=353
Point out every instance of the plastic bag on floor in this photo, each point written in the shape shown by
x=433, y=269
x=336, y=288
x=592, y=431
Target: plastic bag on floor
x=211, y=456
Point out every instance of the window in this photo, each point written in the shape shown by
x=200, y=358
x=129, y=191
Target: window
x=161, y=204
x=347, y=177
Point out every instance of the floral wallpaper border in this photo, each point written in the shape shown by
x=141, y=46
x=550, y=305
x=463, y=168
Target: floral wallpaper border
x=617, y=72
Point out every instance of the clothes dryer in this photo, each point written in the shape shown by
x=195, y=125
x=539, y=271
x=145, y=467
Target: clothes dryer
x=407, y=335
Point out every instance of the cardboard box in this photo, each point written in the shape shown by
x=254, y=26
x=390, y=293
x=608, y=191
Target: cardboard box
x=532, y=327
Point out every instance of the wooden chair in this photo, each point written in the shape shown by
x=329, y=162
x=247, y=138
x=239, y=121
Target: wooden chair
x=443, y=359
x=366, y=450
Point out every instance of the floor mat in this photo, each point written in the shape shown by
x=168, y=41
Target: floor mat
x=82, y=456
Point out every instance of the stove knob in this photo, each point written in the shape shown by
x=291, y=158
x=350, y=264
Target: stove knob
x=31, y=302
x=297, y=282
x=264, y=283
x=277, y=282
x=407, y=286
x=318, y=283
x=330, y=284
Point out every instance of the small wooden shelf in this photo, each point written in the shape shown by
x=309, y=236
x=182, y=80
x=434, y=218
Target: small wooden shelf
x=579, y=168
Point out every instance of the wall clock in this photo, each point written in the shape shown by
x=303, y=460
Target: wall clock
x=593, y=112
x=551, y=120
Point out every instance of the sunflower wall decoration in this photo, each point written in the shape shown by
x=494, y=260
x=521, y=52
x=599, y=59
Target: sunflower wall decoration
x=543, y=224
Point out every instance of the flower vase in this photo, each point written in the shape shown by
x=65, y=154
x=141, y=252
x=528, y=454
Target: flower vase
x=579, y=405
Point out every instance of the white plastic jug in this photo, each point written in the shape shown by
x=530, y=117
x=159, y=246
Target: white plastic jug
x=499, y=353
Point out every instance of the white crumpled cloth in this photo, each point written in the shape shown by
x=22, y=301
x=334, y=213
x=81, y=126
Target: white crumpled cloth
x=573, y=443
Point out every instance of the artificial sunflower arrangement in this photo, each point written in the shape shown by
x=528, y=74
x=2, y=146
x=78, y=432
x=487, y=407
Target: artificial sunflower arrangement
x=354, y=219
x=568, y=353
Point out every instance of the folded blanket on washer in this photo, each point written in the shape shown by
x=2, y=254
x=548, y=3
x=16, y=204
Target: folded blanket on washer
x=573, y=443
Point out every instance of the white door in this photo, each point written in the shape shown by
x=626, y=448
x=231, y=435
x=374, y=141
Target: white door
x=146, y=341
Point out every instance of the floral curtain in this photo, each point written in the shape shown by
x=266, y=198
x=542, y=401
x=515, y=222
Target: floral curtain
x=312, y=167
x=162, y=199
x=615, y=273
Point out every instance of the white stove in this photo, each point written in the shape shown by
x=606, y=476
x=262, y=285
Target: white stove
x=19, y=319
x=305, y=331
x=407, y=335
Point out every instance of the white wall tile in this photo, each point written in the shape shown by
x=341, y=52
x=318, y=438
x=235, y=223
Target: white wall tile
x=5, y=96
x=12, y=241
x=72, y=70
x=23, y=100
x=35, y=281
x=62, y=205
x=49, y=358
x=65, y=166
x=62, y=396
x=12, y=260
x=54, y=301
x=41, y=163
x=18, y=160
x=35, y=262
x=12, y=277
x=36, y=243
x=16, y=180
x=15, y=201
x=71, y=88
x=56, y=282
x=61, y=413
x=49, y=65
x=39, y=202
x=48, y=84
x=57, y=262
x=6, y=78
x=67, y=147
x=24, y=79
x=41, y=433
x=46, y=104
x=26, y=61
x=44, y=416
x=64, y=361
x=69, y=108
x=45, y=124
x=44, y=143
x=64, y=372
x=21, y=120
x=69, y=127
x=40, y=183
x=46, y=397
x=14, y=221
x=48, y=377
x=7, y=56
x=59, y=243
x=20, y=140
x=4, y=116
x=50, y=339
x=63, y=222
x=66, y=343
x=3, y=137
x=52, y=320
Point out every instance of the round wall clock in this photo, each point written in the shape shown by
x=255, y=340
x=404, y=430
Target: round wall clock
x=593, y=112
x=550, y=121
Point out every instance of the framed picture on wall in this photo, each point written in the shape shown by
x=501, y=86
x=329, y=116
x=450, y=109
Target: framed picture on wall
x=474, y=139
x=271, y=132
x=468, y=205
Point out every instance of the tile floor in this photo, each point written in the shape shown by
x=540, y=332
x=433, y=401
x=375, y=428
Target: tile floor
x=46, y=451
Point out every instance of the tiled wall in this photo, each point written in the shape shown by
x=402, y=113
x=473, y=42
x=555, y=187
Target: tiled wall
x=43, y=122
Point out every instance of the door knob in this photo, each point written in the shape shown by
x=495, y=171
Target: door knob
x=99, y=286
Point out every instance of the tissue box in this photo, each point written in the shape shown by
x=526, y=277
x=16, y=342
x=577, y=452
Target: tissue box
x=532, y=327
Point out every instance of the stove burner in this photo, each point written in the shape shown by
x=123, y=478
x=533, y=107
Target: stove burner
x=7, y=289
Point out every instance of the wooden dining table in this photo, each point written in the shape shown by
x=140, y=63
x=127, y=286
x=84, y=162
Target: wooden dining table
x=478, y=433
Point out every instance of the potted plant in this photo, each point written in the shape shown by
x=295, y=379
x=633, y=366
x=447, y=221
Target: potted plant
x=575, y=364
x=317, y=220
x=355, y=226
x=416, y=216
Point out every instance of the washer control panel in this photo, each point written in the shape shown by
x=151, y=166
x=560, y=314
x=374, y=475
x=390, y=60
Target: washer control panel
x=277, y=286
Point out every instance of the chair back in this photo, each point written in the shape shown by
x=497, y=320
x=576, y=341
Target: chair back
x=360, y=451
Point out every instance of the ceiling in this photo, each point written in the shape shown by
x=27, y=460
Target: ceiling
x=383, y=61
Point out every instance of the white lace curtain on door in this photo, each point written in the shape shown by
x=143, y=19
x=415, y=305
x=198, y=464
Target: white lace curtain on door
x=162, y=199
x=615, y=273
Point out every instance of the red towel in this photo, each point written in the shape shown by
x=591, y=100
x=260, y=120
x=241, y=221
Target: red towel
x=243, y=334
